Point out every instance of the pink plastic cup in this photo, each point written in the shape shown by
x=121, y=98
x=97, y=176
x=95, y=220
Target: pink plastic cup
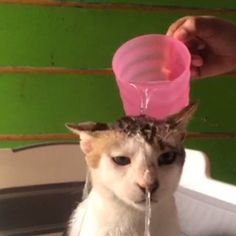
x=153, y=74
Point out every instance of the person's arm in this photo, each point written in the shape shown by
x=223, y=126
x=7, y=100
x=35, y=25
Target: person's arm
x=211, y=41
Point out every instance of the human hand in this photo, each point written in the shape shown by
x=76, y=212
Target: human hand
x=211, y=41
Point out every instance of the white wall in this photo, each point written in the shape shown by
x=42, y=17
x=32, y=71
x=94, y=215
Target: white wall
x=41, y=165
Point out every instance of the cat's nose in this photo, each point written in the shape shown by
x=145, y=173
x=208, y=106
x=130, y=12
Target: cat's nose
x=151, y=187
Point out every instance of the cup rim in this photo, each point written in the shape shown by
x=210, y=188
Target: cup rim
x=183, y=47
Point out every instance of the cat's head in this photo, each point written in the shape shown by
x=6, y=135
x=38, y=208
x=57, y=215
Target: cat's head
x=135, y=154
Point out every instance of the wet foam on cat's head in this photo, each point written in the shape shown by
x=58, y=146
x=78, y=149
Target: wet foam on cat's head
x=148, y=128
x=95, y=137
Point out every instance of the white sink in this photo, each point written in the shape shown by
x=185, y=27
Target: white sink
x=206, y=207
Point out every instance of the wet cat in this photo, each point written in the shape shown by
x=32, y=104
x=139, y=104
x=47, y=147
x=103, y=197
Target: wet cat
x=126, y=159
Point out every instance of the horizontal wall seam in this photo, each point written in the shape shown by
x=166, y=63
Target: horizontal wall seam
x=124, y=7
x=63, y=70
x=53, y=70
x=54, y=137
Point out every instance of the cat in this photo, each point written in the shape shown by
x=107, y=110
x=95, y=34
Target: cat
x=126, y=159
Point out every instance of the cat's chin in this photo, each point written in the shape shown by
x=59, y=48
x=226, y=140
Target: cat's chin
x=141, y=205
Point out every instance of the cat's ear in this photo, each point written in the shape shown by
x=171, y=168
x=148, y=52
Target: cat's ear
x=180, y=120
x=87, y=131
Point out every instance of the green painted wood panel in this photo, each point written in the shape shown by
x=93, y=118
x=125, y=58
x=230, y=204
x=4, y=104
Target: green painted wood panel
x=69, y=37
x=35, y=104
x=217, y=103
x=54, y=36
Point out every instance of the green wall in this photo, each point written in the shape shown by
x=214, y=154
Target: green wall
x=71, y=37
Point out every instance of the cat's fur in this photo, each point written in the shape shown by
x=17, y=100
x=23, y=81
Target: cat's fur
x=125, y=159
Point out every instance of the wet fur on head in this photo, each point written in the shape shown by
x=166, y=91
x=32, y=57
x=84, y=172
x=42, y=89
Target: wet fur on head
x=152, y=130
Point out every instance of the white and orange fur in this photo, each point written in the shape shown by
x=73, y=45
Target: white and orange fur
x=126, y=159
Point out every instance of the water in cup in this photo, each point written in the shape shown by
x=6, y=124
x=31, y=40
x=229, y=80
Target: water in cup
x=146, y=89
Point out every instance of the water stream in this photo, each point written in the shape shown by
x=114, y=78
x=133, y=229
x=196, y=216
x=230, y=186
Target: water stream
x=145, y=93
x=148, y=213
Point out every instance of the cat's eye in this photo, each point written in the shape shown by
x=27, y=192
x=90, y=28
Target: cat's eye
x=121, y=160
x=167, y=158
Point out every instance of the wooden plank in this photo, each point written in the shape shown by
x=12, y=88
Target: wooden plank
x=54, y=137
x=63, y=70
x=125, y=7
x=211, y=135
x=53, y=70
x=36, y=137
